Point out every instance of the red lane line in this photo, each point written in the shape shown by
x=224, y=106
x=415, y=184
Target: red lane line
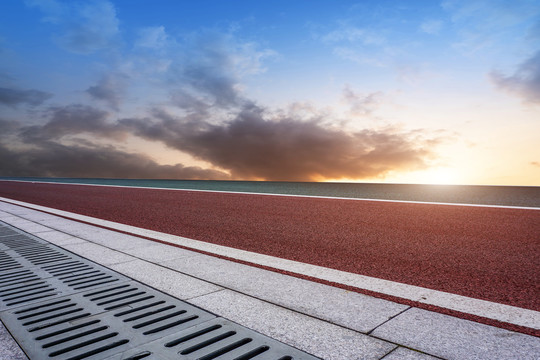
x=485, y=253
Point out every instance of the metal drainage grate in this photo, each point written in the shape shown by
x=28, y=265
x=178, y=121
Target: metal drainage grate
x=58, y=305
x=215, y=339
x=27, y=277
x=105, y=321
x=16, y=240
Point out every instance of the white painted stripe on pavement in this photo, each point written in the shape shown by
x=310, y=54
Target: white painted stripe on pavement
x=288, y=195
x=487, y=309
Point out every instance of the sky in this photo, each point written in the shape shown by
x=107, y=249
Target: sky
x=372, y=91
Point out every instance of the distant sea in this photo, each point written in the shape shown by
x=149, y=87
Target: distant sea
x=528, y=196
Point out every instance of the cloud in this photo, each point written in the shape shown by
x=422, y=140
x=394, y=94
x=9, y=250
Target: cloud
x=489, y=15
x=431, y=27
x=87, y=27
x=109, y=89
x=94, y=28
x=152, y=38
x=52, y=159
x=361, y=105
x=255, y=146
x=52, y=9
x=71, y=120
x=485, y=25
x=353, y=34
x=205, y=65
x=13, y=97
x=535, y=163
x=8, y=126
x=209, y=69
x=359, y=56
x=525, y=82
x=40, y=150
x=205, y=115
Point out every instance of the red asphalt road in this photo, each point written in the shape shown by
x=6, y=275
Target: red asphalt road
x=480, y=252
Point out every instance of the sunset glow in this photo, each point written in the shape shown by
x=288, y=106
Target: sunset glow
x=390, y=91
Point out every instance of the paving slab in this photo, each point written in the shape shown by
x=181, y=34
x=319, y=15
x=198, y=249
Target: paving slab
x=160, y=253
x=38, y=216
x=31, y=227
x=98, y=253
x=314, y=336
x=71, y=227
x=115, y=240
x=346, y=308
x=15, y=209
x=402, y=353
x=9, y=349
x=60, y=238
x=454, y=338
x=171, y=282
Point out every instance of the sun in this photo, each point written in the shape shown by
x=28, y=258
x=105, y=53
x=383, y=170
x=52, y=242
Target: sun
x=439, y=175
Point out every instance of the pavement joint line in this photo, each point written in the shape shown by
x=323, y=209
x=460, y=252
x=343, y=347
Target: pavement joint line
x=483, y=308
x=288, y=195
x=411, y=349
x=389, y=319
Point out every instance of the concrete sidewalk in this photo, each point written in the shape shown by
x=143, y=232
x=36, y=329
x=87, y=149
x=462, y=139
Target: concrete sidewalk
x=325, y=321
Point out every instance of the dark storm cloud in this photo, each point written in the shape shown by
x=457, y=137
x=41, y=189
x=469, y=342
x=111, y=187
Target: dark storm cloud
x=252, y=147
x=73, y=119
x=38, y=150
x=56, y=160
x=525, y=82
x=14, y=97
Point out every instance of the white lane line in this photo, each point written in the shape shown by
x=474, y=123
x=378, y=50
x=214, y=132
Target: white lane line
x=487, y=309
x=288, y=195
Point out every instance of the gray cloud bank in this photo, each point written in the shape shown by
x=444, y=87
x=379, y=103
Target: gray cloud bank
x=13, y=97
x=255, y=144
x=52, y=159
x=525, y=82
x=252, y=147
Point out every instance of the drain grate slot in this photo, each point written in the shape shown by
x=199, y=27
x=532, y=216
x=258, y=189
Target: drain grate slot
x=83, y=344
x=141, y=316
x=255, y=352
x=192, y=335
x=16, y=240
x=226, y=349
x=61, y=306
x=143, y=307
x=14, y=276
x=207, y=343
x=76, y=336
x=70, y=329
x=7, y=263
x=218, y=338
x=99, y=350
